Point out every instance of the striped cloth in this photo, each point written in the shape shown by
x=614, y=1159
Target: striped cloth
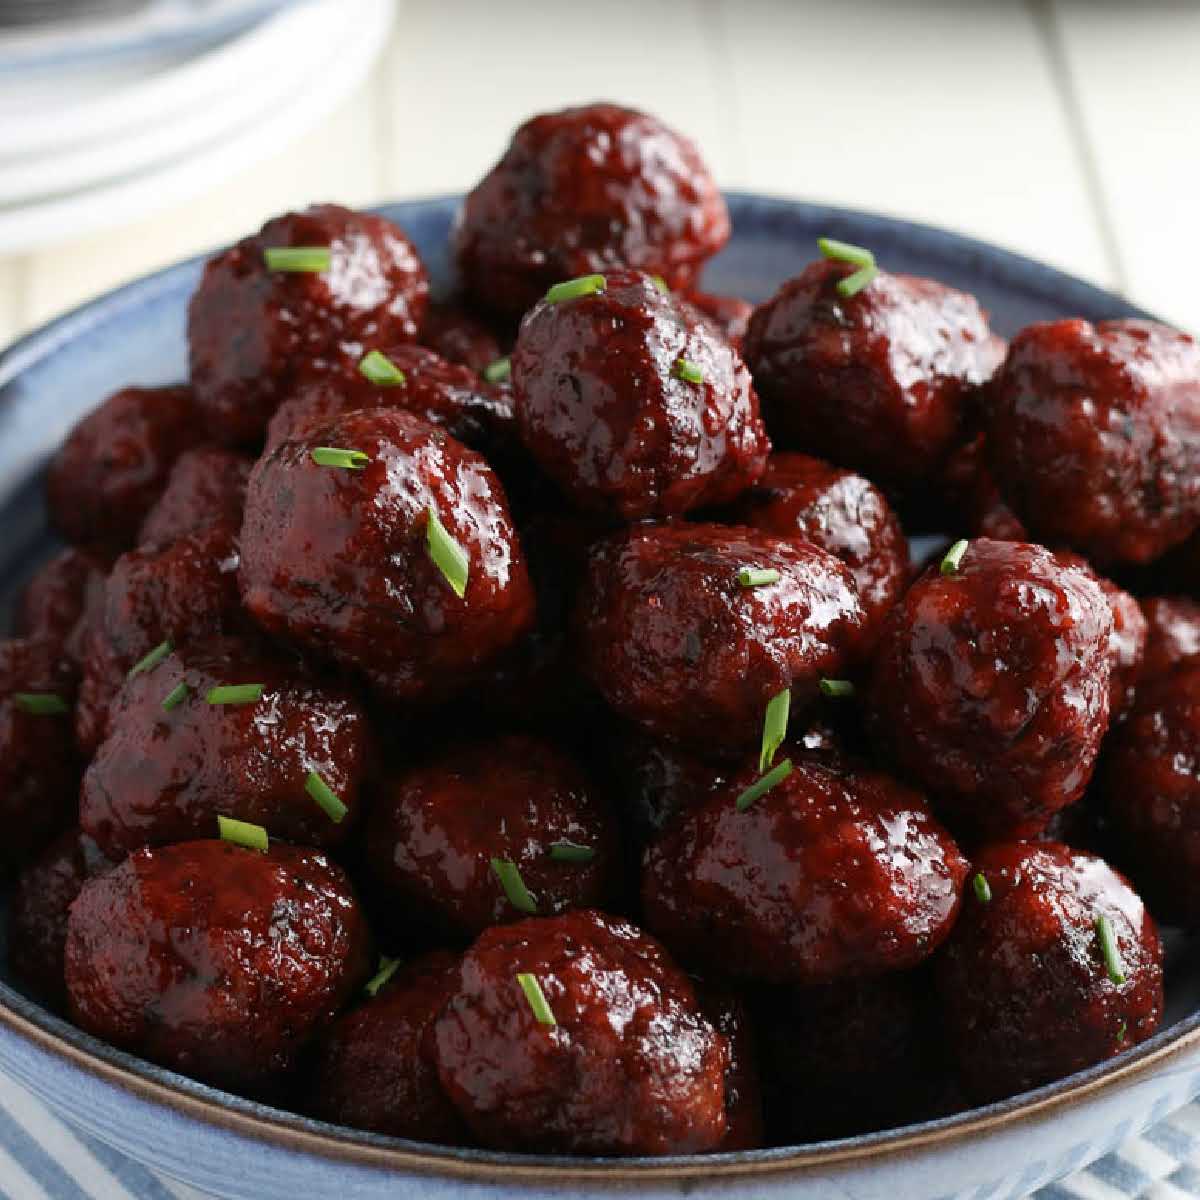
x=43, y=1159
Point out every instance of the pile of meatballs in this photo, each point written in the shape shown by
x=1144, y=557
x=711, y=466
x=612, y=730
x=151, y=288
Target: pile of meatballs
x=513, y=719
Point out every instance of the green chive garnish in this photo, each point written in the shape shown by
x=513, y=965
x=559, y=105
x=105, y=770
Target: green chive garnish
x=856, y=256
x=379, y=369
x=751, y=577
x=387, y=968
x=1122, y=1029
x=40, y=704
x=498, y=371
x=573, y=289
x=954, y=557
x=836, y=689
x=152, y=659
x=242, y=833
x=322, y=793
x=448, y=556
x=537, y=999
x=763, y=784
x=660, y=283
x=519, y=896
x=312, y=259
x=235, y=693
x=983, y=889
x=175, y=697
x=333, y=456
x=568, y=851
x=1108, y=947
x=687, y=370
x=774, y=727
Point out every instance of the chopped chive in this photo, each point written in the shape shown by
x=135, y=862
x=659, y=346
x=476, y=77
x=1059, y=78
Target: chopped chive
x=836, y=689
x=378, y=368
x=573, y=289
x=954, y=557
x=752, y=577
x=568, y=851
x=1108, y=947
x=856, y=256
x=498, y=371
x=242, y=833
x=763, y=784
x=1122, y=1029
x=312, y=259
x=152, y=659
x=333, y=456
x=235, y=693
x=41, y=704
x=175, y=697
x=448, y=556
x=519, y=896
x=322, y=793
x=537, y=999
x=774, y=727
x=387, y=968
x=687, y=370
x=851, y=285
x=660, y=283
x=983, y=889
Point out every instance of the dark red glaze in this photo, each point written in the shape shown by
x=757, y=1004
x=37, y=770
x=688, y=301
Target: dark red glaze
x=674, y=643
x=584, y=190
x=837, y=872
x=207, y=486
x=1095, y=436
x=115, y=463
x=456, y=334
x=802, y=497
x=52, y=603
x=1173, y=633
x=730, y=1016
x=631, y=1066
x=164, y=775
x=253, y=332
x=374, y=1066
x=602, y=408
x=1026, y=997
x=884, y=382
x=971, y=498
x=730, y=314
x=991, y=685
x=337, y=562
x=215, y=961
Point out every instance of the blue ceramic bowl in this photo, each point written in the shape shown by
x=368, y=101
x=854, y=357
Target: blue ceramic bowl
x=235, y=1148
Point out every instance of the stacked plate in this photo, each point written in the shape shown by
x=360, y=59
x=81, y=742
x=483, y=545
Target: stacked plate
x=107, y=117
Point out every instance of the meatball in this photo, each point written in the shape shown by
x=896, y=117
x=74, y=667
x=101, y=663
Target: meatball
x=374, y=1067
x=451, y=331
x=1095, y=436
x=1028, y=991
x=632, y=404
x=802, y=497
x=730, y=1016
x=630, y=1066
x=968, y=490
x=991, y=685
x=583, y=190
x=836, y=872
x=1126, y=646
x=884, y=382
x=674, y=642
x=174, y=758
x=1173, y=633
x=213, y=960
x=730, y=314
x=115, y=464
x=253, y=331
x=338, y=561
x=436, y=830
x=53, y=603
x=207, y=486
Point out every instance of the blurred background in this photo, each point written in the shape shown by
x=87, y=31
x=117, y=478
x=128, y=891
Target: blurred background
x=135, y=133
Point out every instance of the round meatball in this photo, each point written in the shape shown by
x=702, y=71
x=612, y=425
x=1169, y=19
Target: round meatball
x=836, y=872
x=1126, y=646
x=1027, y=992
x=338, y=561
x=991, y=685
x=453, y=332
x=674, y=642
x=584, y=190
x=1173, y=633
x=374, y=1067
x=207, y=486
x=730, y=1016
x=730, y=314
x=1095, y=436
x=52, y=604
x=253, y=331
x=630, y=1066
x=169, y=767
x=802, y=497
x=215, y=961
x=884, y=382
x=633, y=404
x=115, y=464
x=436, y=830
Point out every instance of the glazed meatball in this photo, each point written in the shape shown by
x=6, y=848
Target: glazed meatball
x=730, y=1016
x=115, y=464
x=836, y=872
x=374, y=1067
x=1126, y=646
x=51, y=606
x=632, y=404
x=1095, y=436
x=884, y=382
x=584, y=190
x=207, y=486
x=337, y=561
x=730, y=314
x=459, y=336
x=991, y=683
x=802, y=497
x=436, y=830
x=968, y=490
x=169, y=766
x=674, y=642
x=630, y=1065
x=1028, y=993
x=254, y=331
x=213, y=960
x=1173, y=633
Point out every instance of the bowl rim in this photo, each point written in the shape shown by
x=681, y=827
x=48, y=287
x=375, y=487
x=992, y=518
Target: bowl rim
x=32, y=1023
